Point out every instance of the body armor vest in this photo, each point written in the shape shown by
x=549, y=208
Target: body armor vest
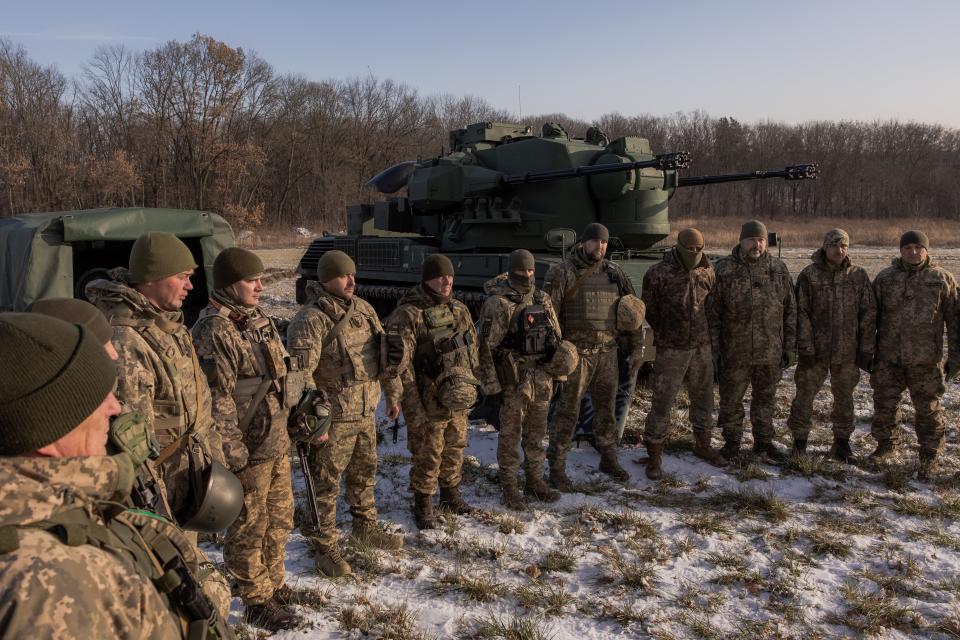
x=593, y=305
x=444, y=354
x=531, y=334
x=351, y=356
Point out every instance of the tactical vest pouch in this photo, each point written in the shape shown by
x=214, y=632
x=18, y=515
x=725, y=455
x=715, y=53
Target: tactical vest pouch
x=506, y=366
x=168, y=422
x=535, y=333
x=129, y=433
x=457, y=388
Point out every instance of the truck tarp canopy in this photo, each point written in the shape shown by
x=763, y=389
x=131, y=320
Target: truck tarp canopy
x=37, y=257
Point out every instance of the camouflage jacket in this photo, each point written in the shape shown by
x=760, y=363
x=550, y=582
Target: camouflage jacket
x=406, y=328
x=49, y=589
x=752, y=311
x=913, y=306
x=159, y=375
x=239, y=350
x=349, y=369
x=495, y=319
x=836, y=312
x=560, y=279
x=676, y=302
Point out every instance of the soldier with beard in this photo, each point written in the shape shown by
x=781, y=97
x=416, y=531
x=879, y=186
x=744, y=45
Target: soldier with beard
x=246, y=366
x=337, y=338
x=916, y=300
x=753, y=326
x=432, y=346
x=836, y=329
x=519, y=351
x=586, y=290
x=675, y=292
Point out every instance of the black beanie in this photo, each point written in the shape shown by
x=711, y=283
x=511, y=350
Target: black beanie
x=235, y=264
x=520, y=259
x=69, y=376
x=436, y=265
x=595, y=231
x=753, y=229
x=335, y=264
x=915, y=237
x=75, y=312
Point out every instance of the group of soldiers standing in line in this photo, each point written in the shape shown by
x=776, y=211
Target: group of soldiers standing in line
x=221, y=395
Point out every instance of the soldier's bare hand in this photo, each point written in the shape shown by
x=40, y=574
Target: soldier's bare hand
x=393, y=411
x=322, y=438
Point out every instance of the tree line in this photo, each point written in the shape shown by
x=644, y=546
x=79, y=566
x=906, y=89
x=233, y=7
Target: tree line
x=200, y=124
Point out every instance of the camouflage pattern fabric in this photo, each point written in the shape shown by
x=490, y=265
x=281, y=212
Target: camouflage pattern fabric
x=348, y=372
x=836, y=311
x=96, y=590
x=914, y=305
x=926, y=385
x=676, y=302
x=597, y=371
x=350, y=452
x=672, y=369
x=438, y=456
x=844, y=377
x=256, y=541
x=752, y=311
x=763, y=380
x=524, y=408
x=228, y=357
x=158, y=376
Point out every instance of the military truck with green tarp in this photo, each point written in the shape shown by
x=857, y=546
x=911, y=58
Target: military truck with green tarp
x=46, y=255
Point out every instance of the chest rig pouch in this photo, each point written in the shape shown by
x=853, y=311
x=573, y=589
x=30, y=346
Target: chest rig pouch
x=594, y=304
x=445, y=354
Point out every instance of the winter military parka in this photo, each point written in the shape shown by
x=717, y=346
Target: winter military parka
x=676, y=301
x=836, y=311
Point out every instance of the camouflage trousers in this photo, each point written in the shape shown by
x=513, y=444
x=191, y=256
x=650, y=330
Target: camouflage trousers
x=254, y=551
x=598, y=371
x=523, y=422
x=809, y=378
x=734, y=381
x=437, y=447
x=351, y=452
x=671, y=369
x=926, y=385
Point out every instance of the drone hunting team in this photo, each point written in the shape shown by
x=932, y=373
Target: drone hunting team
x=117, y=422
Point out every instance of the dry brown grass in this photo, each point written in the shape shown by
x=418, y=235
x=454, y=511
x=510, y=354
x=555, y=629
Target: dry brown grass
x=271, y=238
x=723, y=233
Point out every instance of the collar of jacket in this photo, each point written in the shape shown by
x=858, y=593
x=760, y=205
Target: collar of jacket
x=819, y=258
x=911, y=268
x=118, y=286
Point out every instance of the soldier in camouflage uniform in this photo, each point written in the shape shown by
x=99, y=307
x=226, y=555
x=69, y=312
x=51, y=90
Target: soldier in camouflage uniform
x=337, y=337
x=72, y=564
x=675, y=292
x=520, y=334
x=585, y=289
x=160, y=375
x=753, y=325
x=247, y=368
x=836, y=329
x=432, y=345
x=916, y=299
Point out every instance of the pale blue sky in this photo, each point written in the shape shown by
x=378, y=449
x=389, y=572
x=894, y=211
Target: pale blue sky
x=780, y=60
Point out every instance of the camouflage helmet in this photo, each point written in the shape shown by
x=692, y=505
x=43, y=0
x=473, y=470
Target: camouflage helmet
x=630, y=313
x=564, y=360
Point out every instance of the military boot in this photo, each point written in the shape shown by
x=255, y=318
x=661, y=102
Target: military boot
x=271, y=616
x=423, y=511
x=884, y=451
x=928, y=465
x=512, y=498
x=703, y=450
x=770, y=452
x=799, y=446
x=841, y=450
x=611, y=466
x=654, y=469
x=451, y=500
x=376, y=535
x=730, y=450
x=538, y=489
x=331, y=563
x=558, y=477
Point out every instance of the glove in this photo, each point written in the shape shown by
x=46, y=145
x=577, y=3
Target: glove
x=806, y=360
x=864, y=360
x=953, y=370
x=788, y=359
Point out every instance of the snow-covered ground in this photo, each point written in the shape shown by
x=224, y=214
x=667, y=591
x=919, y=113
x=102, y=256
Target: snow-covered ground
x=814, y=549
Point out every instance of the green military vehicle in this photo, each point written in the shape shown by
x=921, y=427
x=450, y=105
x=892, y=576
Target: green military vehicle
x=46, y=255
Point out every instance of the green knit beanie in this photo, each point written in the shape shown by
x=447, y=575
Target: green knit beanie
x=436, y=265
x=753, y=229
x=157, y=255
x=235, y=264
x=75, y=312
x=69, y=376
x=595, y=231
x=915, y=237
x=335, y=264
x=521, y=259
